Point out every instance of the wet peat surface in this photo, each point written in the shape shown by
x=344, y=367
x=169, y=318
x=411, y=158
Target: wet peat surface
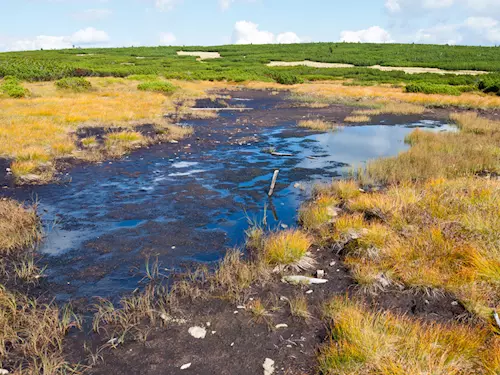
x=188, y=202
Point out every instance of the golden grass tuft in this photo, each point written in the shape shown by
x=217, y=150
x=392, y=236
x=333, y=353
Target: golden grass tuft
x=19, y=227
x=319, y=212
x=299, y=307
x=368, y=343
x=394, y=108
x=443, y=234
x=286, y=247
x=317, y=125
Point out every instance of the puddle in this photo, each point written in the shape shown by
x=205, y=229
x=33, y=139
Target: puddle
x=190, y=204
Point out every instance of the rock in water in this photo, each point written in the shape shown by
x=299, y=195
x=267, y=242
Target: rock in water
x=268, y=366
x=198, y=332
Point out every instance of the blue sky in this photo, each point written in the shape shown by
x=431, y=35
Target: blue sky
x=34, y=24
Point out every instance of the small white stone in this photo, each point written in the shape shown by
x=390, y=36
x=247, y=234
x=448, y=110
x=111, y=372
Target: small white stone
x=320, y=274
x=332, y=264
x=208, y=324
x=214, y=332
x=236, y=312
x=173, y=247
x=284, y=226
x=241, y=307
x=268, y=366
x=309, y=292
x=3, y=371
x=232, y=344
x=278, y=326
x=454, y=303
x=197, y=332
x=186, y=366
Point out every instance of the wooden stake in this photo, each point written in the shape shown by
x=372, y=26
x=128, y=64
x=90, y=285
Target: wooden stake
x=273, y=182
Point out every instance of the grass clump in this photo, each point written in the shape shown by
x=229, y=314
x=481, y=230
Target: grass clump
x=12, y=88
x=368, y=343
x=19, y=227
x=357, y=118
x=299, y=307
x=157, y=86
x=472, y=151
x=318, y=212
x=430, y=88
x=32, y=334
x=285, y=78
x=75, y=84
x=317, y=125
x=443, y=234
x=395, y=108
x=286, y=247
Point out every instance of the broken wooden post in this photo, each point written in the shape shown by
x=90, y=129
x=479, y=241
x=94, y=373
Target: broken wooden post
x=273, y=182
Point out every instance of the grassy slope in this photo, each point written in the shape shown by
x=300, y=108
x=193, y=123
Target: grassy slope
x=248, y=62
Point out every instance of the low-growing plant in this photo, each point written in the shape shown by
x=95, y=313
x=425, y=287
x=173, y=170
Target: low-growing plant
x=430, y=88
x=286, y=247
x=19, y=226
x=299, y=307
x=317, y=125
x=75, y=84
x=286, y=78
x=369, y=343
x=157, y=86
x=11, y=86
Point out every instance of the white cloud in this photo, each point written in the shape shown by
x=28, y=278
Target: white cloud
x=88, y=36
x=246, y=32
x=374, y=34
x=93, y=14
x=40, y=42
x=410, y=6
x=167, y=39
x=440, y=34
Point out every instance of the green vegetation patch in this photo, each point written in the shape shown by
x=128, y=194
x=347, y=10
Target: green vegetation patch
x=76, y=84
x=158, y=86
x=12, y=87
x=430, y=88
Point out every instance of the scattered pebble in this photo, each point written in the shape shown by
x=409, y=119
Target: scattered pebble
x=284, y=226
x=197, y=332
x=278, y=326
x=236, y=312
x=332, y=264
x=3, y=371
x=309, y=292
x=209, y=324
x=320, y=274
x=268, y=366
x=454, y=303
x=232, y=344
x=214, y=332
x=173, y=247
x=186, y=366
x=241, y=307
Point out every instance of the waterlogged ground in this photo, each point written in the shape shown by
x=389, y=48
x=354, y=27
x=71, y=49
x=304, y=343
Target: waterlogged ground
x=188, y=202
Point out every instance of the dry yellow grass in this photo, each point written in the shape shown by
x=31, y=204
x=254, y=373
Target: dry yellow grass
x=357, y=118
x=19, y=227
x=443, y=234
x=286, y=247
x=433, y=155
x=35, y=131
x=317, y=125
x=396, y=108
x=367, y=343
x=337, y=90
x=31, y=335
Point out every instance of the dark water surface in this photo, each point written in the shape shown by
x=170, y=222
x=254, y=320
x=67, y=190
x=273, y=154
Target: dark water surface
x=192, y=204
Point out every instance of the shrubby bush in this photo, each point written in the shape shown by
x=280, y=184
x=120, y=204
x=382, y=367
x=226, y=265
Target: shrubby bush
x=490, y=84
x=158, y=86
x=286, y=78
x=11, y=86
x=430, y=88
x=76, y=84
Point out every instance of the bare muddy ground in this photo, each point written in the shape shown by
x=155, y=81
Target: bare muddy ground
x=186, y=203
